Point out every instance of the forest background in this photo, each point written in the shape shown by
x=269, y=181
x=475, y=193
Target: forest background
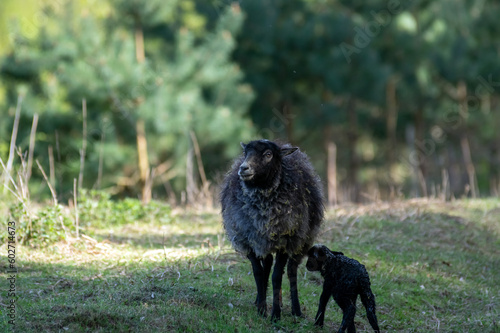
x=119, y=118
x=150, y=99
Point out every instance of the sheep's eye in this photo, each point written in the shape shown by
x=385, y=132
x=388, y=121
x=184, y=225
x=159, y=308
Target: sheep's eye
x=268, y=154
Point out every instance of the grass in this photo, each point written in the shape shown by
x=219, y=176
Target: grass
x=435, y=267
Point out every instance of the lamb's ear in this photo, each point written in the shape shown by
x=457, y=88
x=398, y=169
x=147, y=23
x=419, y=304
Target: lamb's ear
x=243, y=145
x=316, y=252
x=287, y=151
x=323, y=252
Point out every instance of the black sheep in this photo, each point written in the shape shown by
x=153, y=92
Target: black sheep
x=272, y=202
x=345, y=279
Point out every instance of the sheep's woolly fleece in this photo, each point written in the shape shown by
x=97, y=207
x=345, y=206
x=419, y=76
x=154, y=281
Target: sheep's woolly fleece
x=283, y=217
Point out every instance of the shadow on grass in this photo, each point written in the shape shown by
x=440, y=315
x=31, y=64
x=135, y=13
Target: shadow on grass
x=159, y=241
x=122, y=298
x=428, y=270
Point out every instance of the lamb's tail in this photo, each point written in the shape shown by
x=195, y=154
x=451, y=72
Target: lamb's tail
x=368, y=300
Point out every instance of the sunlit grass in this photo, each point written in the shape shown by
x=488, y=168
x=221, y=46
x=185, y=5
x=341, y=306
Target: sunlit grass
x=433, y=266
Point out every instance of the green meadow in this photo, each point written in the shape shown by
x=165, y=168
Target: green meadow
x=434, y=267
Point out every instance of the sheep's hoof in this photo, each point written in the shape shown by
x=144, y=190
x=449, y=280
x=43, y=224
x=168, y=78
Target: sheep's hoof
x=262, y=309
x=297, y=313
x=275, y=315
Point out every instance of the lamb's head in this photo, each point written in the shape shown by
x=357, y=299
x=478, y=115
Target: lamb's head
x=262, y=162
x=318, y=254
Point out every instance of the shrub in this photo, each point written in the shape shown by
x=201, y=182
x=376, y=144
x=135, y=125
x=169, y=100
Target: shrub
x=40, y=226
x=97, y=209
x=44, y=225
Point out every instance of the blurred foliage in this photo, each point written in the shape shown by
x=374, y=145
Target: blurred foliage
x=43, y=225
x=40, y=227
x=404, y=89
x=97, y=210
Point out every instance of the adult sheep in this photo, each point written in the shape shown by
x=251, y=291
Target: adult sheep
x=272, y=203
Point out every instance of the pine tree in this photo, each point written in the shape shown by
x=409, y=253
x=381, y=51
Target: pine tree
x=185, y=83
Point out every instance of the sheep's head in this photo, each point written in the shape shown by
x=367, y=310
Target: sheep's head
x=262, y=162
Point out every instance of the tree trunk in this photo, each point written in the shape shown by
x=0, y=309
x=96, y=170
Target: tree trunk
x=139, y=43
x=190, y=180
x=495, y=152
x=420, y=149
x=142, y=144
x=493, y=170
x=142, y=154
x=352, y=137
x=84, y=144
x=464, y=140
x=331, y=167
x=412, y=158
x=391, y=123
x=469, y=165
x=288, y=121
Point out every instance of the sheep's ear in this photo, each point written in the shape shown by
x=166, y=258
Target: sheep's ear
x=243, y=145
x=287, y=151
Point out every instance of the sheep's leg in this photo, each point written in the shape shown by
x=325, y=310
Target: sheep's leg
x=267, y=263
x=293, y=263
x=259, y=276
x=279, y=269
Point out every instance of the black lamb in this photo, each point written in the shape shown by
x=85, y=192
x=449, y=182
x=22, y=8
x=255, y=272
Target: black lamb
x=272, y=202
x=345, y=279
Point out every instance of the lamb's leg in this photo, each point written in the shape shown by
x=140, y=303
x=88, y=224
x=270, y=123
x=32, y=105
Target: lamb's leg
x=368, y=301
x=348, y=306
x=293, y=263
x=259, y=276
x=279, y=269
x=323, y=301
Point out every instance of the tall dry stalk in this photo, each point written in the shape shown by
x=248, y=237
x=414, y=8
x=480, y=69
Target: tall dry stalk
x=52, y=167
x=12, y=148
x=31, y=150
x=20, y=191
x=205, y=183
x=75, y=195
x=84, y=143
x=51, y=188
